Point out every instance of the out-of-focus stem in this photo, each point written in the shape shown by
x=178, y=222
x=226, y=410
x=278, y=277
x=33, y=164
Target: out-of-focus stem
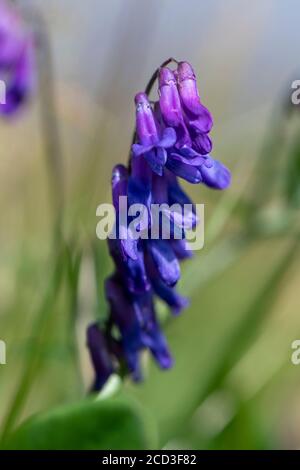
x=48, y=113
x=55, y=171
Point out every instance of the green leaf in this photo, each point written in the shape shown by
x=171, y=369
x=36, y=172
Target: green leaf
x=114, y=423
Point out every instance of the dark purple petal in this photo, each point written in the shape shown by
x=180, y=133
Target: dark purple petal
x=100, y=356
x=156, y=342
x=141, y=172
x=197, y=115
x=139, y=187
x=162, y=290
x=168, y=138
x=156, y=159
x=169, y=99
x=165, y=260
x=119, y=181
x=129, y=246
x=175, y=301
x=145, y=123
x=170, y=106
x=217, y=176
x=159, y=189
x=202, y=124
x=195, y=161
x=138, y=149
x=188, y=152
x=176, y=195
x=119, y=189
x=131, y=270
x=139, y=329
x=202, y=144
x=124, y=317
x=181, y=249
x=187, y=172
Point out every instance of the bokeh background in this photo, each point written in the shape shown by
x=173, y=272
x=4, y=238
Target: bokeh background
x=233, y=385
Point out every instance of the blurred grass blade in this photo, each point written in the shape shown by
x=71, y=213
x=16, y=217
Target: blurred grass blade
x=256, y=314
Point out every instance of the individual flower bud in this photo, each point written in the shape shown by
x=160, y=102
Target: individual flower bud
x=198, y=117
x=151, y=146
x=170, y=106
x=145, y=122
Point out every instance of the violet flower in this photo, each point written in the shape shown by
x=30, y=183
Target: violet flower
x=172, y=142
x=152, y=144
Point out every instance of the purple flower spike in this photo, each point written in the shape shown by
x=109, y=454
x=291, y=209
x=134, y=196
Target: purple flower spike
x=172, y=141
x=198, y=117
x=17, y=64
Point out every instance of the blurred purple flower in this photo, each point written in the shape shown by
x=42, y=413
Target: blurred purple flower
x=17, y=67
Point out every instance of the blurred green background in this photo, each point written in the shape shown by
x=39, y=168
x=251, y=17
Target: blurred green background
x=233, y=384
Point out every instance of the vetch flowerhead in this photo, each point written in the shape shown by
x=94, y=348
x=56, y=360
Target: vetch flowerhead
x=171, y=142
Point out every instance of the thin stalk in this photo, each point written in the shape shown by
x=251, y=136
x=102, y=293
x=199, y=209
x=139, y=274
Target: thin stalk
x=48, y=115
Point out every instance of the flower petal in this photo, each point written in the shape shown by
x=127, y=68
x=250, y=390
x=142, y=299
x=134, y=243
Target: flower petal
x=165, y=260
x=175, y=301
x=100, y=357
x=195, y=161
x=181, y=249
x=188, y=172
x=217, y=176
x=202, y=144
x=168, y=138
x=156, y=158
